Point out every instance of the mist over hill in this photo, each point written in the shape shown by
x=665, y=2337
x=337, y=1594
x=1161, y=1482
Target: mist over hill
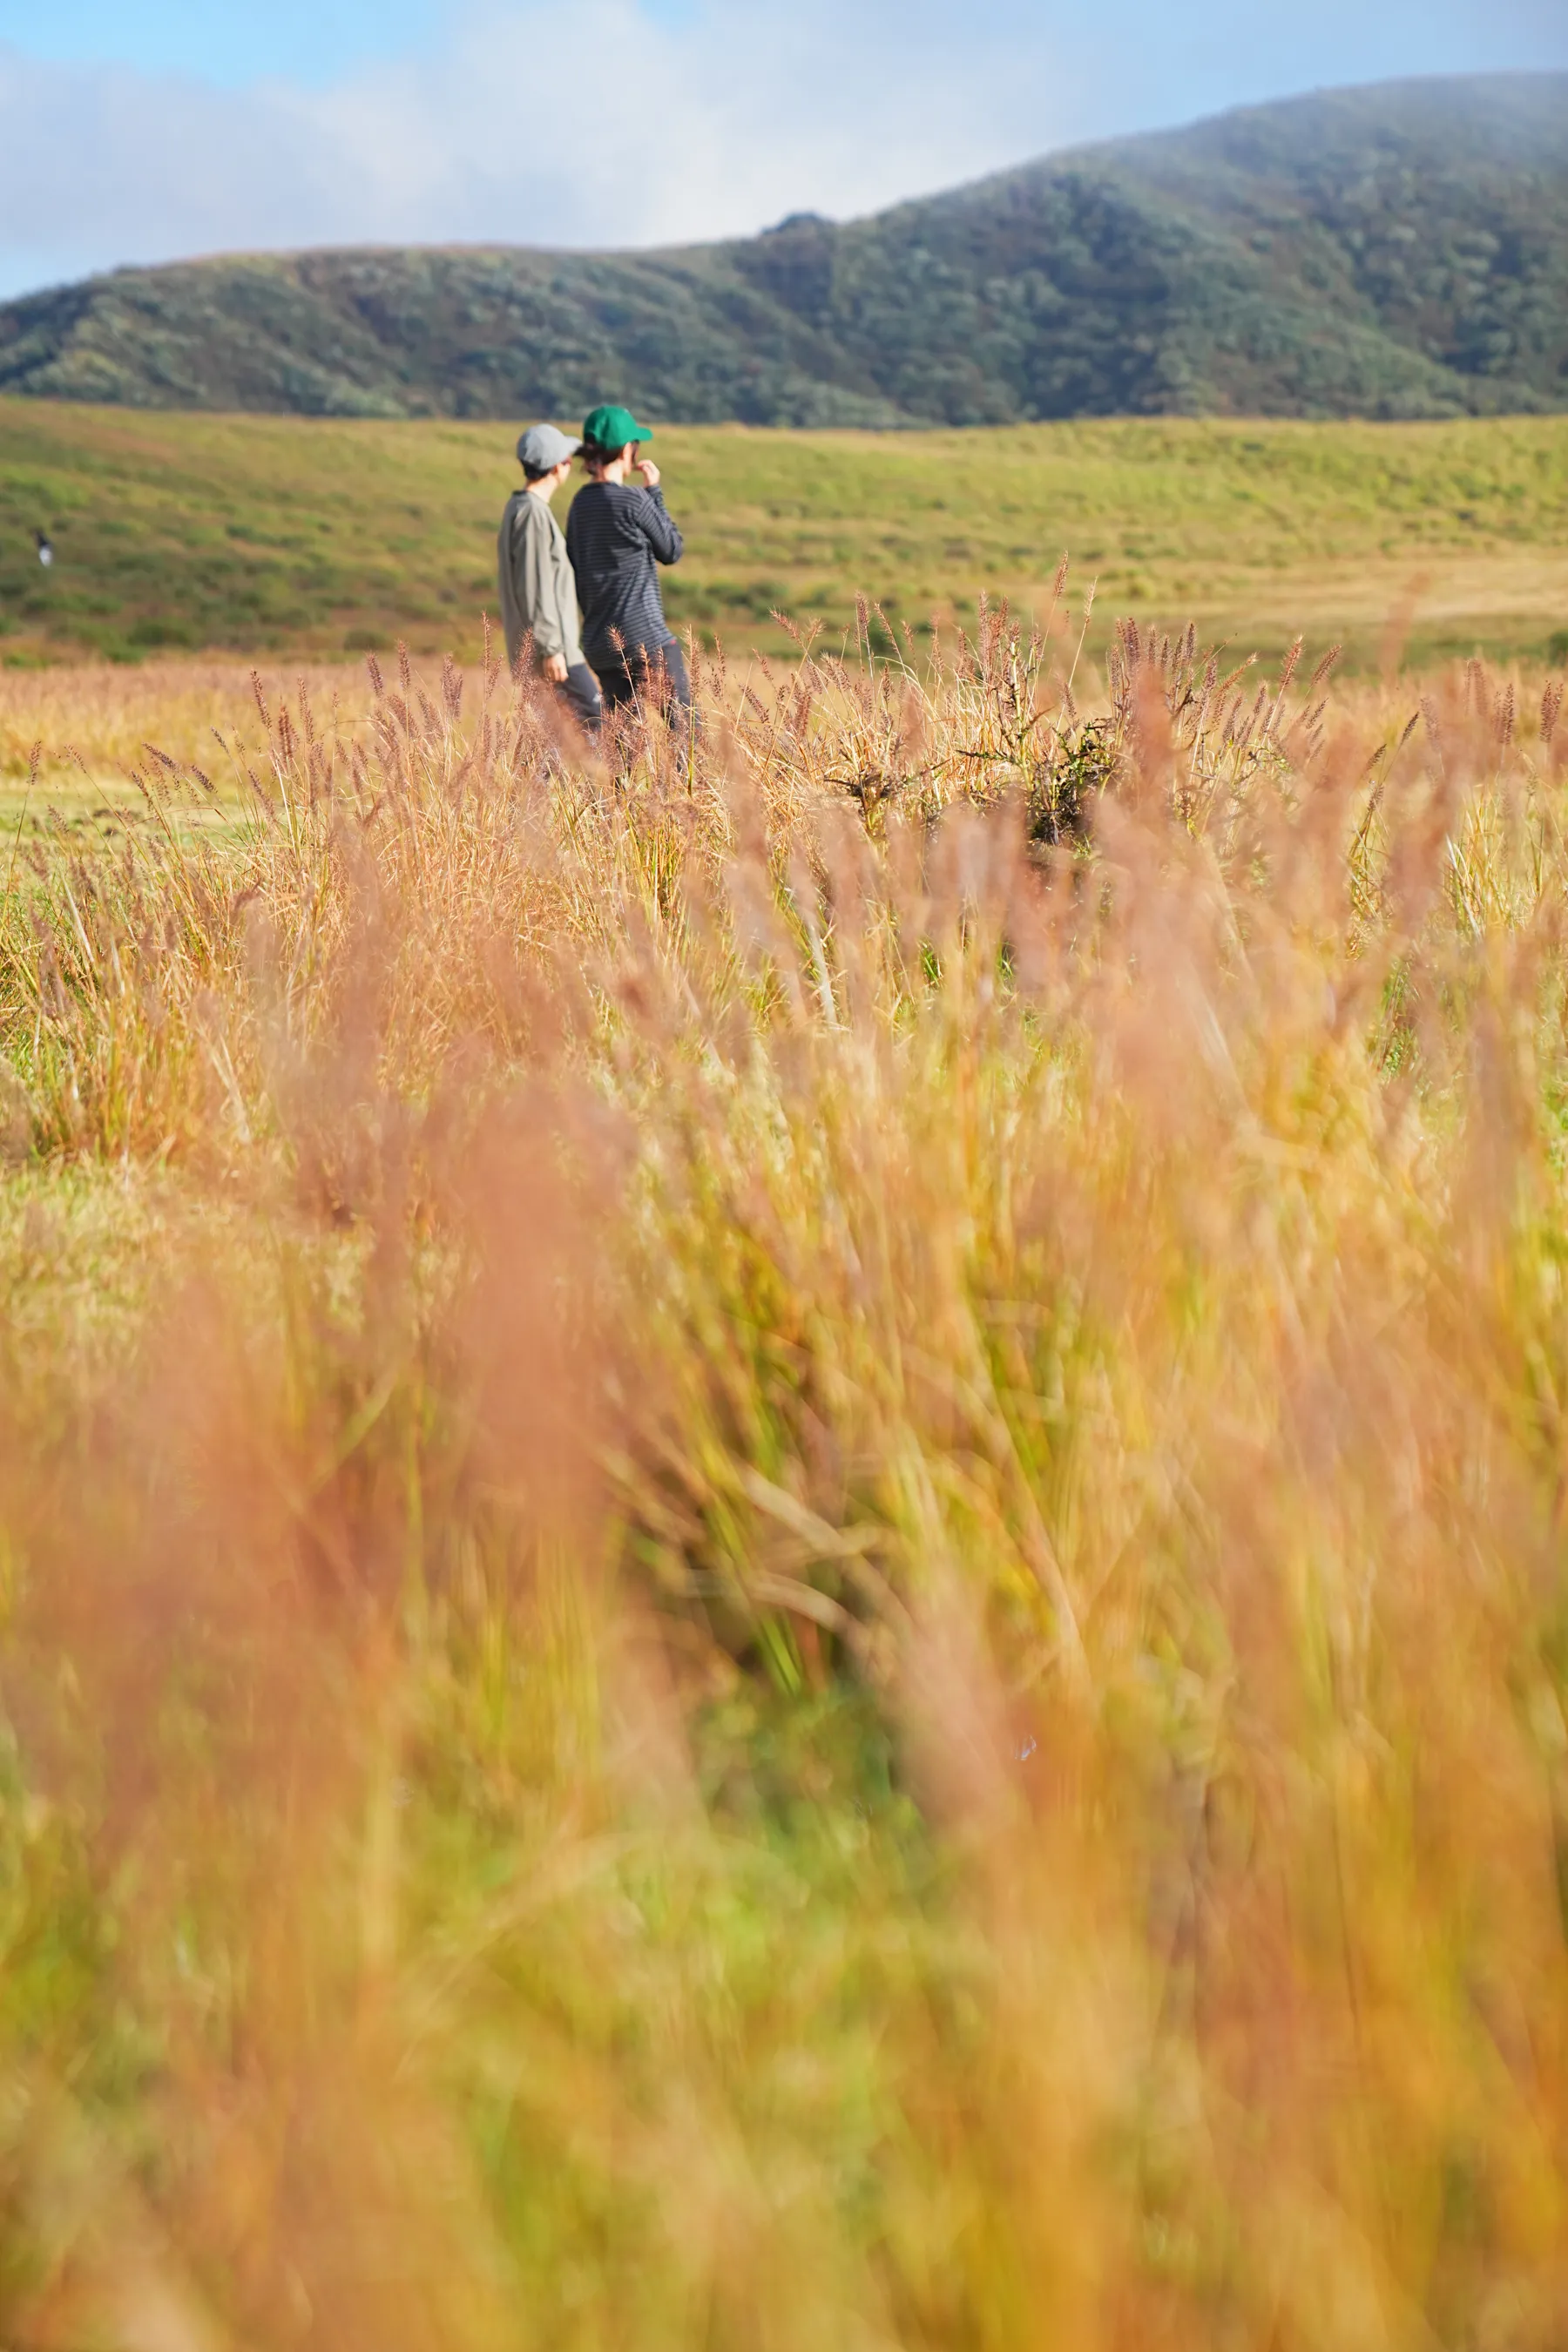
x=1398, y=251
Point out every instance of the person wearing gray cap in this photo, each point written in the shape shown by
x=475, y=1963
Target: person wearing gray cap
x=538, y=593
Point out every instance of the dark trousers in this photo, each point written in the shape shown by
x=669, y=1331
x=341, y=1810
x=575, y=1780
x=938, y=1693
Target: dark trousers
x=580, y=693
x=648, y=673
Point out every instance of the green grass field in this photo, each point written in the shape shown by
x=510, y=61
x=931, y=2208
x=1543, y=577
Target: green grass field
x=269, y=536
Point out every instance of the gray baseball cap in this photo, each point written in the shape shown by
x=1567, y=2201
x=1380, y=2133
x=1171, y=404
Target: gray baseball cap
x=542, y=446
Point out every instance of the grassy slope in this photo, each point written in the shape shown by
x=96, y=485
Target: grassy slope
x=316, y=538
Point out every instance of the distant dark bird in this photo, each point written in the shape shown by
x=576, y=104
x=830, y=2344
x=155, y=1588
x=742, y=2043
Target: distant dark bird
x=46, y=551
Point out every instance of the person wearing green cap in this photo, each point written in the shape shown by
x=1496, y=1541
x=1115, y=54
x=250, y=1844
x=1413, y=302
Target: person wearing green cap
x=617, y=535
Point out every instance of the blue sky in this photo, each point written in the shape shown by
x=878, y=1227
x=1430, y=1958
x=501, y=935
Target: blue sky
x=152, y=129
x=226, y=42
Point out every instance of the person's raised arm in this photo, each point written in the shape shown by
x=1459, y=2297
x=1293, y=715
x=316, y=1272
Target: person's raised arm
x=666, y=541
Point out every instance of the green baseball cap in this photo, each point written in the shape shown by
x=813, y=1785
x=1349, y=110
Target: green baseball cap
x=610, y=428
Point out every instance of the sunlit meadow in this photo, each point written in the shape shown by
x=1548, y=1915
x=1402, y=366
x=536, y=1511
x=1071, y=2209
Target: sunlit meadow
x=784, y=1541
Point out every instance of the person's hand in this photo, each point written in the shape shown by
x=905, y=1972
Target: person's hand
x=649, y=473
x=555, y=668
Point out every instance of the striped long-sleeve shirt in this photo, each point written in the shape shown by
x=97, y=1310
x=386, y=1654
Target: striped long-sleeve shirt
x=616, y=537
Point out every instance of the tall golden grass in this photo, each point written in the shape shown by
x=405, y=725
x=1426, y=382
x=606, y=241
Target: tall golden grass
x=94, y=721
x=808, y=1588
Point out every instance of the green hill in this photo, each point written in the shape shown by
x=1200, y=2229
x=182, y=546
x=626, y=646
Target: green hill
x=1395, y=252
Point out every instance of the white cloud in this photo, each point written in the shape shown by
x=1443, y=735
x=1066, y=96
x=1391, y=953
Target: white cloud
x=636, y=131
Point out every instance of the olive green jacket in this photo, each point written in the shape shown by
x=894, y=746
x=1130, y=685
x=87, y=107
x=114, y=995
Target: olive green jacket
x=538, y=593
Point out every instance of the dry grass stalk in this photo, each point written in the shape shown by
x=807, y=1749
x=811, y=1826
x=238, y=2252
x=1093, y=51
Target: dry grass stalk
x=916, y=1232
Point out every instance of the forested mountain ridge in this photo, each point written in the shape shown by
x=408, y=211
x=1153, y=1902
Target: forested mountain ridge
x=1398, y=251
